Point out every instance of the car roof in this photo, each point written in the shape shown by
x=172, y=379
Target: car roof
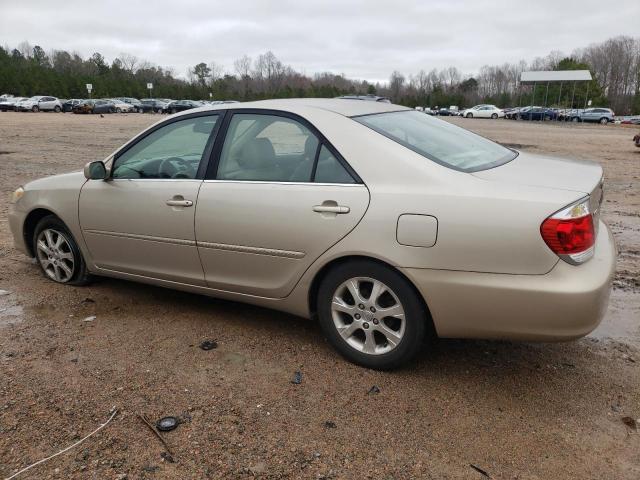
x=345, y=107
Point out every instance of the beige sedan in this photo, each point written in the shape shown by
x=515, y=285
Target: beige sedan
x=386, y=224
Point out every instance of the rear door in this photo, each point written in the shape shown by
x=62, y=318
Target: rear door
x=278, y=196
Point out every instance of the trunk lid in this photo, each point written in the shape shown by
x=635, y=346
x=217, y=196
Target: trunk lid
x=547, y=172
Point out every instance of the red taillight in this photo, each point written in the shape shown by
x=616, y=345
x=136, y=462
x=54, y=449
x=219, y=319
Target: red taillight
x=571, y=233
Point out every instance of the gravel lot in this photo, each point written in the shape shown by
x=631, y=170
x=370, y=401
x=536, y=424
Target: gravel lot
x=514, y=410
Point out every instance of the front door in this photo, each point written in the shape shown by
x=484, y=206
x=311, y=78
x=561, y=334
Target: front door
x=279, y=198
x=141, y=220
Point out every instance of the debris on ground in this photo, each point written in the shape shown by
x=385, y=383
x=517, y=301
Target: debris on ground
x=373, y=390
x=88, y=300
x=297, y=378
x=157, y=434
x=166, y=424
x=630, y=422
x=330, y=424
x=209, y=345
x=479, y=470
x=167, y=457
x=4, y=292
x=90, y=318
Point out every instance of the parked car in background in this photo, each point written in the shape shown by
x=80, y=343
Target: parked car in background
x=182, y=105
x=445, y=112
x=121, y=106
x=511, y=113
x=152, y=105
x=599, y=115
x=8, y=104
x=369, y=98
x=132, y=101
x=537, y=113
x=94, y=106
x=483, y=111
x=39, y=103
x=67, y=105
x=502, y=244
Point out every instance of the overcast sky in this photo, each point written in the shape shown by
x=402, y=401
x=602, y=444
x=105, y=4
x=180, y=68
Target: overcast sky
x=362, y=39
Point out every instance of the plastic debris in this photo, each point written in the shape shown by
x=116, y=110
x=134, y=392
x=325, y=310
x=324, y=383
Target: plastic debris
x=297, y=378
x=209, y=345
x=373, y=390
x=166, y=424
x=4, y=292
x=90, y=318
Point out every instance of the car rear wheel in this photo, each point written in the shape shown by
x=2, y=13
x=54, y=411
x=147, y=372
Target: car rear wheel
x=371, y=314
x=469, y=115
x=58, y=254
x=604, y=120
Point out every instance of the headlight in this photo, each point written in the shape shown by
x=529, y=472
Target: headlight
x=17, y=195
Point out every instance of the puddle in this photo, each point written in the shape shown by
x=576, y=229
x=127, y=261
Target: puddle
x=622, y=320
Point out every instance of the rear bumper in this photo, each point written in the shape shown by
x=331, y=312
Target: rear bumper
x=566, y=303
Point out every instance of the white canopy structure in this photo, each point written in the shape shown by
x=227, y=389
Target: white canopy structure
x=556, y=76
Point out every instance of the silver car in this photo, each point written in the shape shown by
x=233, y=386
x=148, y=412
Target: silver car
x=387, y=225
x=39, y=103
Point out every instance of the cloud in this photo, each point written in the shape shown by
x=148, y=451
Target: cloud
x=362, y=39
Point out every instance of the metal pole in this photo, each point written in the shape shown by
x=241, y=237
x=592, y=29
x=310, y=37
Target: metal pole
x=533, y=98
x=546, y=96
x=560, y=95
x=573, y=94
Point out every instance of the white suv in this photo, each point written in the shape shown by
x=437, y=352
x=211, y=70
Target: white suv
x=39, y=103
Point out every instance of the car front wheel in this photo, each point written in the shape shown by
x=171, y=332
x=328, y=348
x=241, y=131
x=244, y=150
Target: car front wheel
x=604, y=121
x=58, y=253
x=371, y=314
x=469, y=115
x=494, y=116
x=35, y=109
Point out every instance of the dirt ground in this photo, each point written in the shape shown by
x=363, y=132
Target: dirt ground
x=512, y=410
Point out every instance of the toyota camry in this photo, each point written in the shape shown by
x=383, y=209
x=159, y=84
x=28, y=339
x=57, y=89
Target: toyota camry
x=387, y=225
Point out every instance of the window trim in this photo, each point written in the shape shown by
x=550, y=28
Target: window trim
x=206, y=154
x=212, y=168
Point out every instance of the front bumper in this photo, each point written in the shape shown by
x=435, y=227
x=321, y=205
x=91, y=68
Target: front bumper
x=16, y=225
x=566, y=303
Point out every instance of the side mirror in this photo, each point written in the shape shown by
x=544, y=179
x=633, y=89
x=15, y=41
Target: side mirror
x=95, y=170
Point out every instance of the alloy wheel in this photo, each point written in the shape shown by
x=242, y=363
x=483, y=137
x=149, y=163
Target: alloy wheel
x=55, y=255
x=368, y=315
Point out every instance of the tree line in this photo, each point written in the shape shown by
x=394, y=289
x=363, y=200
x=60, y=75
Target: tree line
x=615, y=65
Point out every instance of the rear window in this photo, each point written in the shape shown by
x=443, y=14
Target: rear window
x=440, y=141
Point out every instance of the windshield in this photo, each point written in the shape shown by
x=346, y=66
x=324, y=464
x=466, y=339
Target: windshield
x=440, y=141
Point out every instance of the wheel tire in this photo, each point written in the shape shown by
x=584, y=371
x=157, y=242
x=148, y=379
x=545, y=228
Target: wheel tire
x=118, y=110
x=575, y=119
x=80, y=275
x=604, y=121
x=57, y=109
x=35, y=109
x=494, y=116
x=415, y=316
x=469, y=115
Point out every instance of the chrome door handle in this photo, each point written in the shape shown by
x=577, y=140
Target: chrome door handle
x=331, y=209
x=179, y=203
